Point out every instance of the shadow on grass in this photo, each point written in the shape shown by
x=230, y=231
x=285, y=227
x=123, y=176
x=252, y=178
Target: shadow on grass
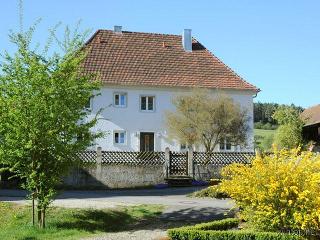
x=114, y=221
x=103, y=221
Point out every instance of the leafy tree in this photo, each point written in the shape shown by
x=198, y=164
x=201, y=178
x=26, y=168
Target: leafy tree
x=289, y=133
x=201, y=118
x=43, y=121
x=263, y=113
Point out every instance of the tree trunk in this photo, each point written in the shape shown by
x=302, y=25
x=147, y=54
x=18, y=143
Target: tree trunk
x=43, y=218
x=39, y=218
x=33, y=222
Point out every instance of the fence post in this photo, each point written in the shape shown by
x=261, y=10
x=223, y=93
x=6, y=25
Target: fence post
x=99, y=163
x=190, y=162
x=167, y=162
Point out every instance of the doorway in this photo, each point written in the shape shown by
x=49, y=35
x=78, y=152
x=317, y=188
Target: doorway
x=146, y=141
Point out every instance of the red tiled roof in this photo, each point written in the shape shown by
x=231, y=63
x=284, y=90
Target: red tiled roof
x=311, y=115
x=134, y=58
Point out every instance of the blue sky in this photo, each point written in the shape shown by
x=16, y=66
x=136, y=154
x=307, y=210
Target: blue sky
x=273, y=44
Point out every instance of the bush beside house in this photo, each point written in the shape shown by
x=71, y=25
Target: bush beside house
x=278, y=192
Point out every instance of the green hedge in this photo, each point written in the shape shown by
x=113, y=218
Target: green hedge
x=224, y=224
x=188, y=234
x=216, y=230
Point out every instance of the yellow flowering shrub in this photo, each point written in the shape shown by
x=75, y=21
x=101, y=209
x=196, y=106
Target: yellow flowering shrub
x=277, y=192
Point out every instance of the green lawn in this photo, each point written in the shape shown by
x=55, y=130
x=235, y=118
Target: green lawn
x=264, y=138
x=63, y=223
x=264, y=133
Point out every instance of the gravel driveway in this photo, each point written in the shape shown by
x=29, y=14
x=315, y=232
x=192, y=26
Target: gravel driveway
x=179, y=209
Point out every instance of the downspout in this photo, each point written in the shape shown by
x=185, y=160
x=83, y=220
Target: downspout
x=254, y=96
x=258, y=90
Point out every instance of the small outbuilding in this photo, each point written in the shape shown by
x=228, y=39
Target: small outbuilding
x=311, y=130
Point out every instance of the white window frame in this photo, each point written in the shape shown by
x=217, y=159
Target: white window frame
x=114, y=99
x=224, y=149
x=147, y=102
x=119, y=132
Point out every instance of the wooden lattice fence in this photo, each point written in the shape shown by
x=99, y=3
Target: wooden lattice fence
x=133, y=158
x=222, y=158
x=88, y=156
x=178, y=163
x=178, y=160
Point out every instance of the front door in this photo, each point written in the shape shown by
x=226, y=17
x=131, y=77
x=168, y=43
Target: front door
x=146, y=141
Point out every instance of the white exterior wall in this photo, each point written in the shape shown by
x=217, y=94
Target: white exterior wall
x=132, y=120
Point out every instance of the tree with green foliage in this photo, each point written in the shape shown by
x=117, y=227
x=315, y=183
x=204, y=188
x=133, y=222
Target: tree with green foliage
x=263, y=114
x=289, y=133
x=43, y=120
x=200, y=118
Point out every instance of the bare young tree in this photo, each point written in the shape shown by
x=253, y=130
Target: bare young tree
x=204, y=119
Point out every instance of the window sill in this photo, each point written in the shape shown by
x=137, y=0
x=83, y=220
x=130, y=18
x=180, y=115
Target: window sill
x=147, y=111
x=115, y=106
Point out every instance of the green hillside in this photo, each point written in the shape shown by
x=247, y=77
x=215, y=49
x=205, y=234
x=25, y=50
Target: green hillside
x=263, y=132
x=263, y=138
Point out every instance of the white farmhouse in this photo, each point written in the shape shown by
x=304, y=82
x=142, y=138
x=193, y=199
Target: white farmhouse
x=141, y=73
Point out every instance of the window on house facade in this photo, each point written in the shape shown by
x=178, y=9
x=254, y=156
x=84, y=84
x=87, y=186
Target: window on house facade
x=183, y=147
x=120, y=137
x=120, y=99
x=147, y=103
x=89, y=103
x=225, y=145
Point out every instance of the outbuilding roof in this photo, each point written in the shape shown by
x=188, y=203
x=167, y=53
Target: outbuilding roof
x=311, y=115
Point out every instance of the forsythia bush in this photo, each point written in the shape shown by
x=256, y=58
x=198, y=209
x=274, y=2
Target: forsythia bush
x=278, y=192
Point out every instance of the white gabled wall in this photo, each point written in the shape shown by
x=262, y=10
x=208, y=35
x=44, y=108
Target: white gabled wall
x=134, y=121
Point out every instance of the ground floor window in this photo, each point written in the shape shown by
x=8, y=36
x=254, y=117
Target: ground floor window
x=120, y=137
x=225, y=144
x=183, y=147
